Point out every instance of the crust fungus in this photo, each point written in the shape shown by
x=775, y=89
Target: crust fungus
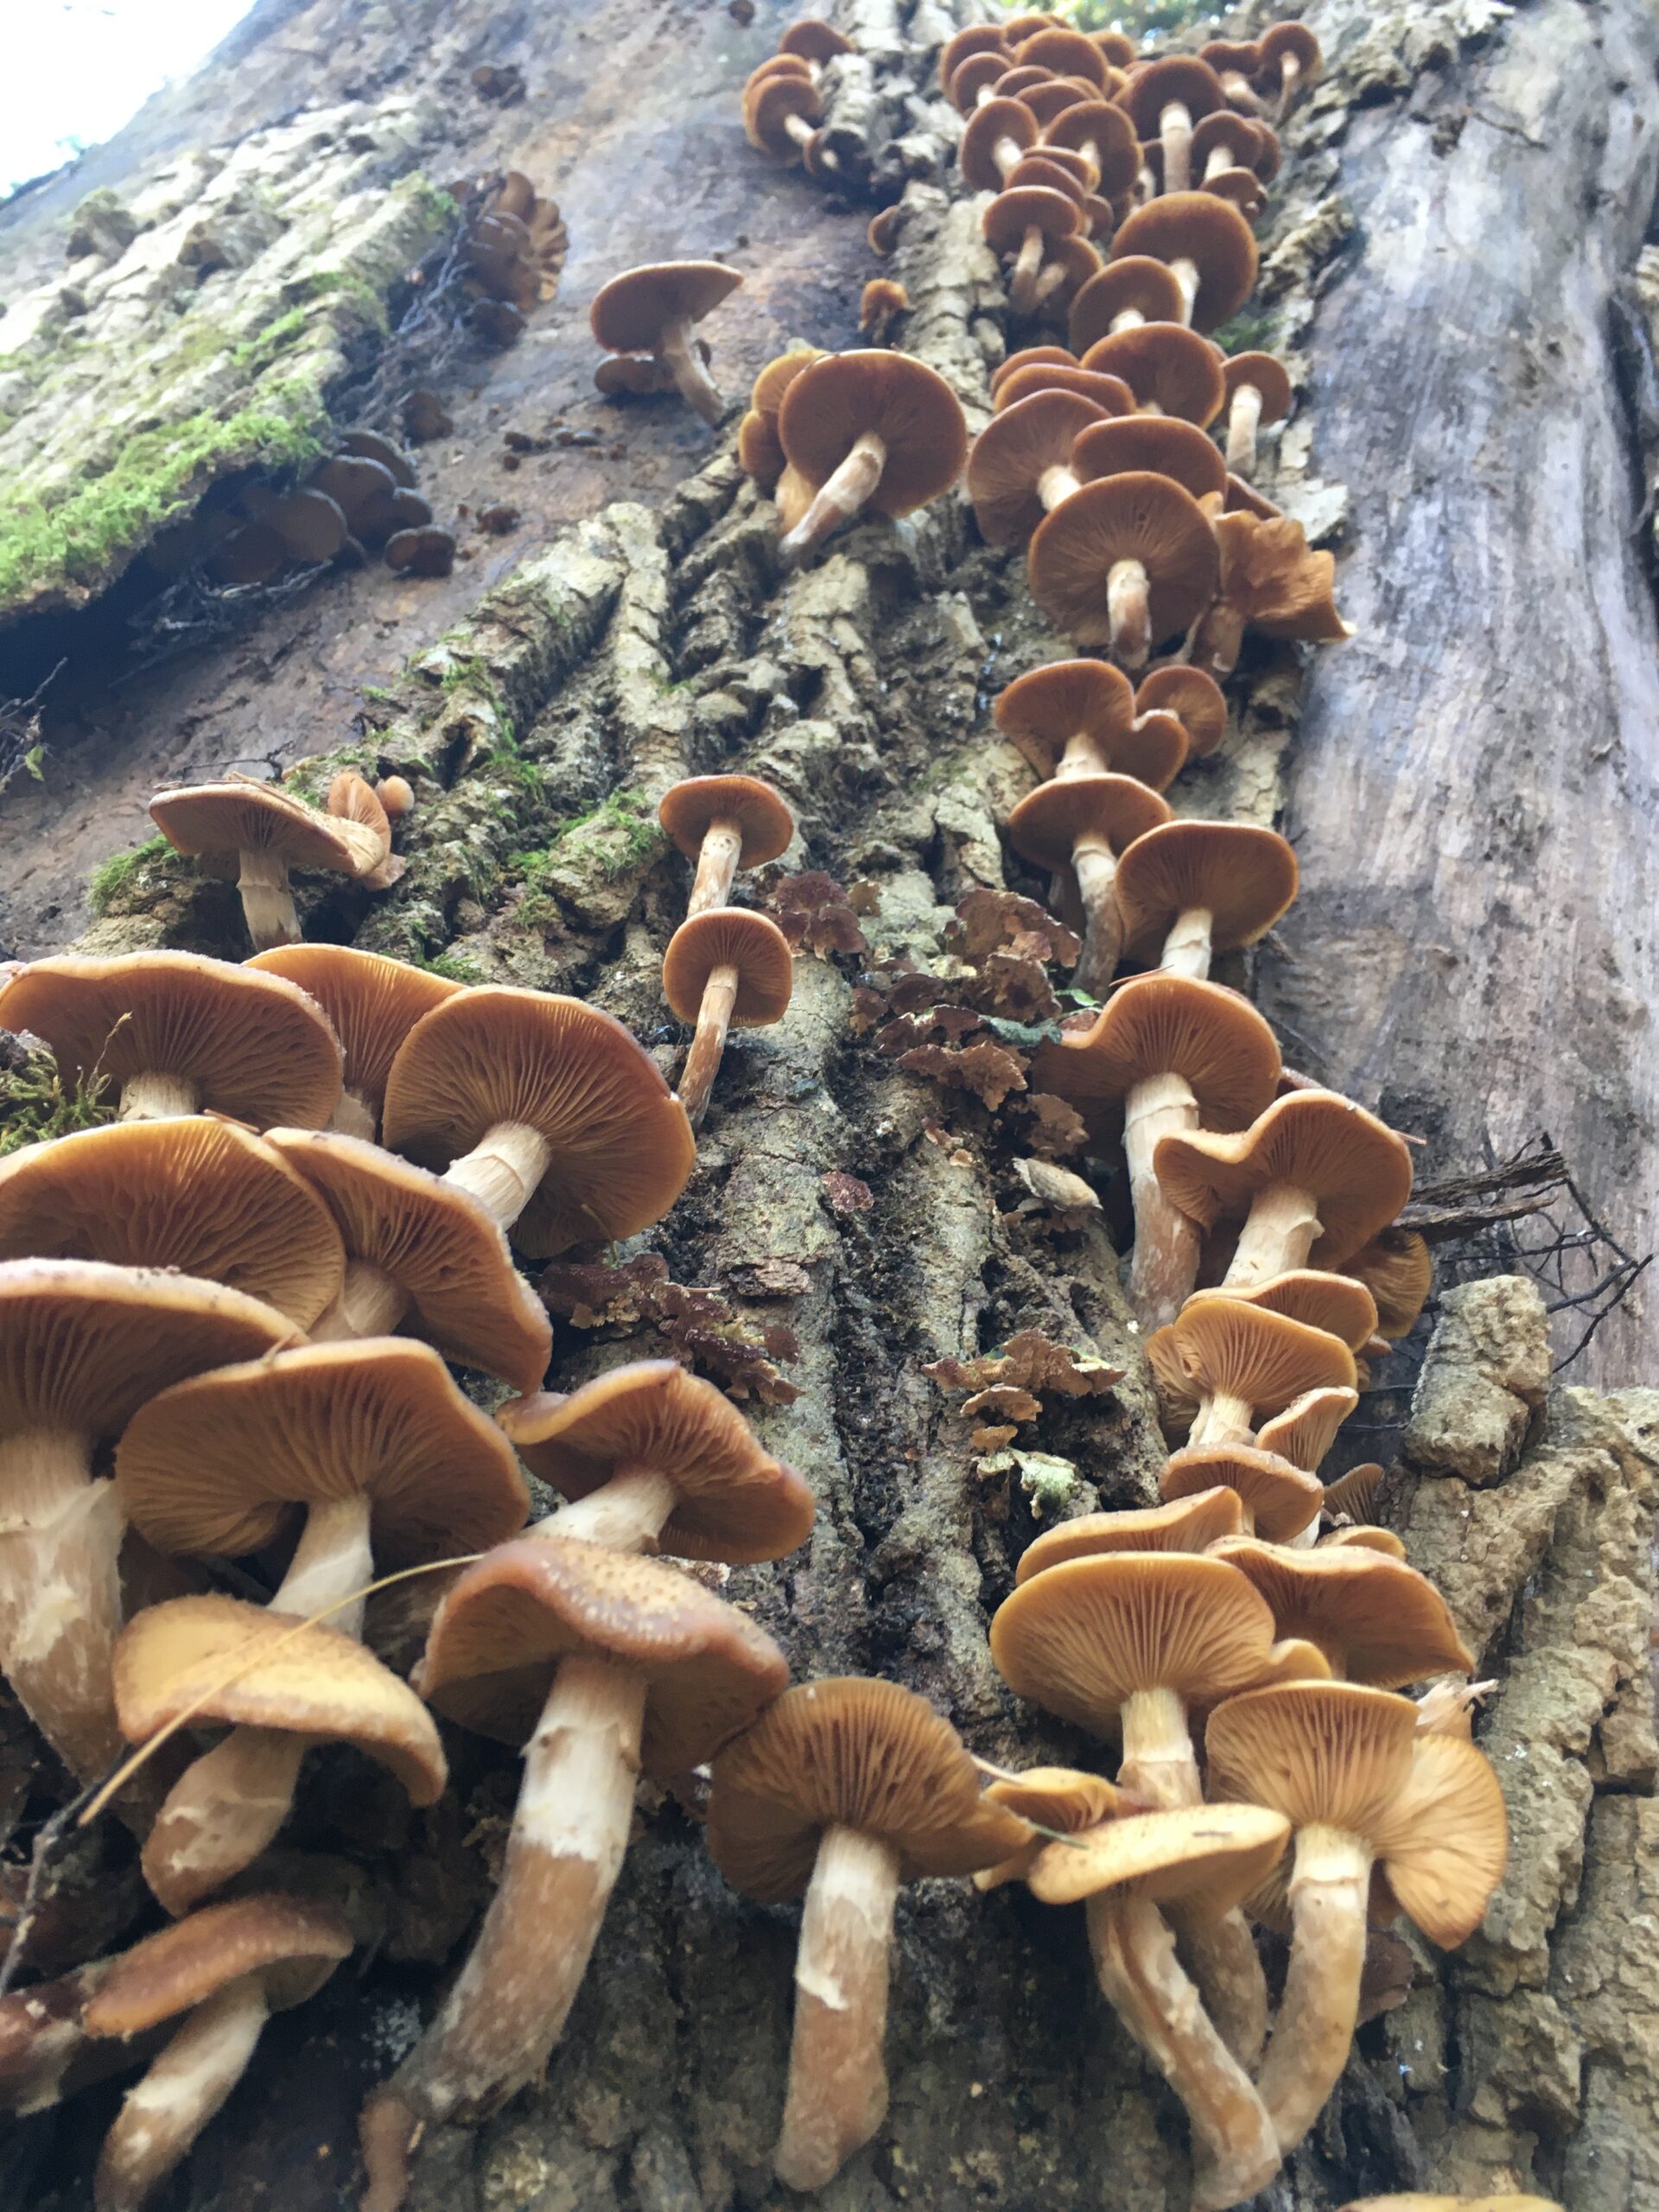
x=1249, y=1362
x=653, y=310
x=1208, y=246
x=1192, y=889
x=844, y=1790
x=1082, y=822
x=1126, y=561
x=1164, y=100
x=372, y=1004
x=725, y=968
x=259, y=831
x=1269, y=581
x=868, y=429
x=1077, y=718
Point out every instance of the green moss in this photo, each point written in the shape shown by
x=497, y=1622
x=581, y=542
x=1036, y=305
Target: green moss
x=1252, y=330
x=621, y=835
x=35, y=1104
x=440, y=208
x=455, y=966
x=112, y=877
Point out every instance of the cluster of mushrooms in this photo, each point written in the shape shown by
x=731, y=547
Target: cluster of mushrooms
x=514, y=254
x=783, y=103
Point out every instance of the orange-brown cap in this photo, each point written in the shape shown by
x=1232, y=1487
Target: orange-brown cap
x=1264, y=374
x=1305, y=1430
x=880, y=299
x=1368, y=1538
x=1168, y=368
x=1062, y=1798
x=760, y=451
x=449, y=1257
x=1334, y=1303
x=1193, y=1520
x=291, y=1944
x=630, y=313
x=1106, y=135
x=1398, y=1269
x=1355, y=1168
x=815, y=40
x=1012, y=454
x=1236, y=1351
x=1043, y=711
x=1356, y=1492
x=250, y=818
x=1111, y=394
x=1048, y=821
x=854, y=1754
x=1245, y=877
x=1194, y=698
x=310, y=1681
x=217, y=1464
x=1240, y=189
x=253, y=1046
x=1180, y=81
x=833, y=404
x=1037, y=168
x=206, y=1197
x=1168, y=1025
x=1020, y=208
x=1204, y=1859
x=1068, y=263
x=502, y=1631
x=1129, y=283
x=730, y=937
x=1161, y=443
x=1065, y=52
x=1136, y=516
x=986, y=128
x=1376, y=1619
x=766, y=395
x=371, y=1001
x=974, y=76
x=1225, y=129
x=621, y=1147
x=1274, y=583
x=1283, y=41
x=1030, y=357
x=1055, y=95
x=882, y=234
x=977, y=38
x=733, y=1501
x=1279, y=1499
x=690, y=808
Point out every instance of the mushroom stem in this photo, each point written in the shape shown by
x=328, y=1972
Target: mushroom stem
x=1241, y=93
x=502, y=1170
x=1158, y=1765
x=1082, y=757
x=1022, y=285
x=371, y=1303
x=1220, y=638
x=1310, y=2042
x=1007, y=156
x=221, y=1813
x=510, y=2002
x=1139, y=1974
x=1128, y=610
x=1175, y=132
x=717, y=859
x=1281, y=1229
x=1094, y=864
x=676, y=349
x=1187, y=947
x=60, y=1594
x=1185, y=274
x=1221, y=1957
x=161, y=2116
x=354, y=1117
x=838, y=2094
x=845, y=493
x=627, y=1514
x=268, y=900
x=331, y=1560
x=1125, y=319
x=157, y=1098
x=1224, y=1420
x=1244, y=419
x=1290, y=75
x=708, y=1043
x=1164, y=1265
x=1219, y=158
x=1052, y=486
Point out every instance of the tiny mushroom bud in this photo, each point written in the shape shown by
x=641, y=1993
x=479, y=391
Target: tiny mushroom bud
x=653, y=309
x=868, y=429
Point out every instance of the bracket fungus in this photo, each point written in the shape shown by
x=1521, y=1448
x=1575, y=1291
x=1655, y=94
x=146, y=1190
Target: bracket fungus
x=845, y=1790
x=268, y=831
x=543, y=1110
x=1077, y=718
x=872, y=429
x=1195, y=888
x=1164, y=100
x=725, y=968
x=371, y=1003
x=654, y=310
x=1258, y=391
x=175, y=1032
x=1126, y=563
x=1082, y=822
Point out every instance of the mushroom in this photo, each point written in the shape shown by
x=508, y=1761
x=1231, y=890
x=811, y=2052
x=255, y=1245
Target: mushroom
x=1181, y=1055
x=1020, y=466
x=999, y=131
x=1258, y=390
x=206, y=1198
x=283, y=1687
x=880, y=305
x=868, y=429
x=421, y=552
x=1314, y=1176
x=422, y=1258
x=1064, y=53
x=1170, y=369
x=1030, y=357
x=1195, y=888
x=1191, y=1521
x=1356, y=1493
x=725, y=968
x=1055, y=97
x=1068, y=264
x=1194, y=699
x=1277, y=1500
x=975, y=80
x=1020, y=221
x=780, y=118
x=1126, y=561
x=174, y=1032
x=82, y=1346
x=1348, y=1766
x=1076, y=718
x=653, y=1457
x=977, y=38
x=1037, y=168
x=651, y=310
x=1191, y=1864
x=1249, y=1362
x=600, y=1664
x=372, y=1004
x=1164, y=100
x=1103, y=132
x=1225, y=140
x=1303, y=1432
x=1290, y=57
x=1208, y=245
x=542, y=1109
x=1235, y=62
x=1083, y=822
x=1376, y=1620
x=270, y=831
x=45, y=2055
x=815, y=42
x=1110, y=395
x=221, y=1974
x=1396, y=1268
x=759, y=450
x=1271, y=583
x=882, y=234
x=1367, y=1539
x=1162, y=445
x=723, y=823
x=845, y=1790
x=1060, y=1798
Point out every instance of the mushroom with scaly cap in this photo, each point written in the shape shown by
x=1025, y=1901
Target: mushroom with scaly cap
x=652, y=310
x=871, y=430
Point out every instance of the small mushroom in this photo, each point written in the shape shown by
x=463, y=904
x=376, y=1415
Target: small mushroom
x=1126, y=561
x=815, y=42
x=1037, y=168
x=1170, y=370
x=1365, y=1790
x=843, y=1790
x=759, y=449
x=1132, y=288
x=1235, y=62
x=1208, y=246
x=1077, y=718
x=421, y=552
x=1054, y=97
x=1356, y=1493
x=221, y=1973
x=1060, y=1798
x=270, y=831
x=1068, y=264
x=1030, y=357
x=1194, y=700
x=868, y=429
x=999, y=132
x=1164, y=100
x=1258, y=390
x=1161, y=444
x=780, y=118
x=1020, y=466
x=725, y=968
x=1225, y=140
x=653, y=309
x=1020, y=221
x=1110, y=395
x=1398, y=1270
x=373, y=1002
x=724, y=822
x=1064, y=53
x=1195, y=888
x=977, y=38
x=880, y=305
x=1103, y=133
x=1269, y=581
x=1373, y=1619
x=1083, y=822
x=1248, y=1362
x=1290, y=58
x=1188, y=1521
x=1277, y=1500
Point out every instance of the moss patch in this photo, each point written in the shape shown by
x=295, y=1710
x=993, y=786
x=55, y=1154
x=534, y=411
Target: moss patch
x=111, y=878
x=34, y=1103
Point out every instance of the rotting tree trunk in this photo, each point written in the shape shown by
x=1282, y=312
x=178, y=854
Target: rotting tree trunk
x=641, y=645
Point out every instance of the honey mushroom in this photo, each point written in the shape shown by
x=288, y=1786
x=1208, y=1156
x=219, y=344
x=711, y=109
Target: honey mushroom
x=269, y=830
x=653, y=310
x=999, y=132
x=371, y=1003
x=725, y=968
x=1192, y=698
x=1290, y=58
x=988, y=39
x=1160, y=445
x=1191, y=1522
x=1104, y=135
x=1224, y=140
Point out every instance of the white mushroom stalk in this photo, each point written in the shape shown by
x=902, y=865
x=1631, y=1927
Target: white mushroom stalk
x=1185, y=274
x=157, y=1098
x=1329, y=1887
x=844, y=494
x=1054, y=485
x=1125, y=319
x=677, y=348
x=370, y=1303
x=163, y=2115
x=1244, y=420
x=708, y=1043
x=1219, y=158
x=627, y=1514
x=1281, y=1230
x=1175, y=135
x=60, y=1593
x=268, y=900
x=1028, y=265
x=1224, y=1419
x=502, y=1170
x=1128, y=608
x=1188, y=945
x=717, y=859
x=1164, y=1265
x=1081, y=756
x=838, y=2095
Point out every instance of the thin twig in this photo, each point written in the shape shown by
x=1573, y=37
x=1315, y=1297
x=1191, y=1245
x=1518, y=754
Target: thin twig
x=52, y=1833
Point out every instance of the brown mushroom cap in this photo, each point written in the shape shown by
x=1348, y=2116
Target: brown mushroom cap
x=1065, y=52
x=1106, y=135
x=1129, y=282
x=1180, y=79
x=855, y=1754
x=370, y=445
x=306, y=1680
x=1067, y=698
x=975, y=74
x=766, y=395
x=815, y=40
x=255, y=1048
x=976, y=38
x=215, y=1465
x=310, y=525
x=1308, y=1428
x=1055, y=1797
x=1168, y=1025
x=1047, y=823
x=1068, y=263
x=1275, y=583
x=1284, y=40
x=1356, y=1169
x=465, y=1295
x=1166, y=367
x=502, y=1631
x=1335, y=1303
x=1110, y=395
x=759, y=452
x=1193, y=697
x=206, y=1197
x=1055, y=96
x=1161, y=443
x=1356, y=1492
x=622, y=1149
x=1244, y=876
x=1206, y=1859
x=836, y=401
x=1232, y=1348
x=1020, y=208
x=986, y=128
x=1398, y=1269
x=1282, y=1499
x=1192, y=1522
x=1376, y=1619
x=292, y=1944
x=1011, y=455
x=630, y=313
x=730, y=937
x=733, y=1501
x=1224, y=128
x=690, y=810
x=250, y=818
x=1268, y=376
x=1136, y=517
x=1037, y=169
x=373, y=1002
x=354, y=482
x=1030, y=357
